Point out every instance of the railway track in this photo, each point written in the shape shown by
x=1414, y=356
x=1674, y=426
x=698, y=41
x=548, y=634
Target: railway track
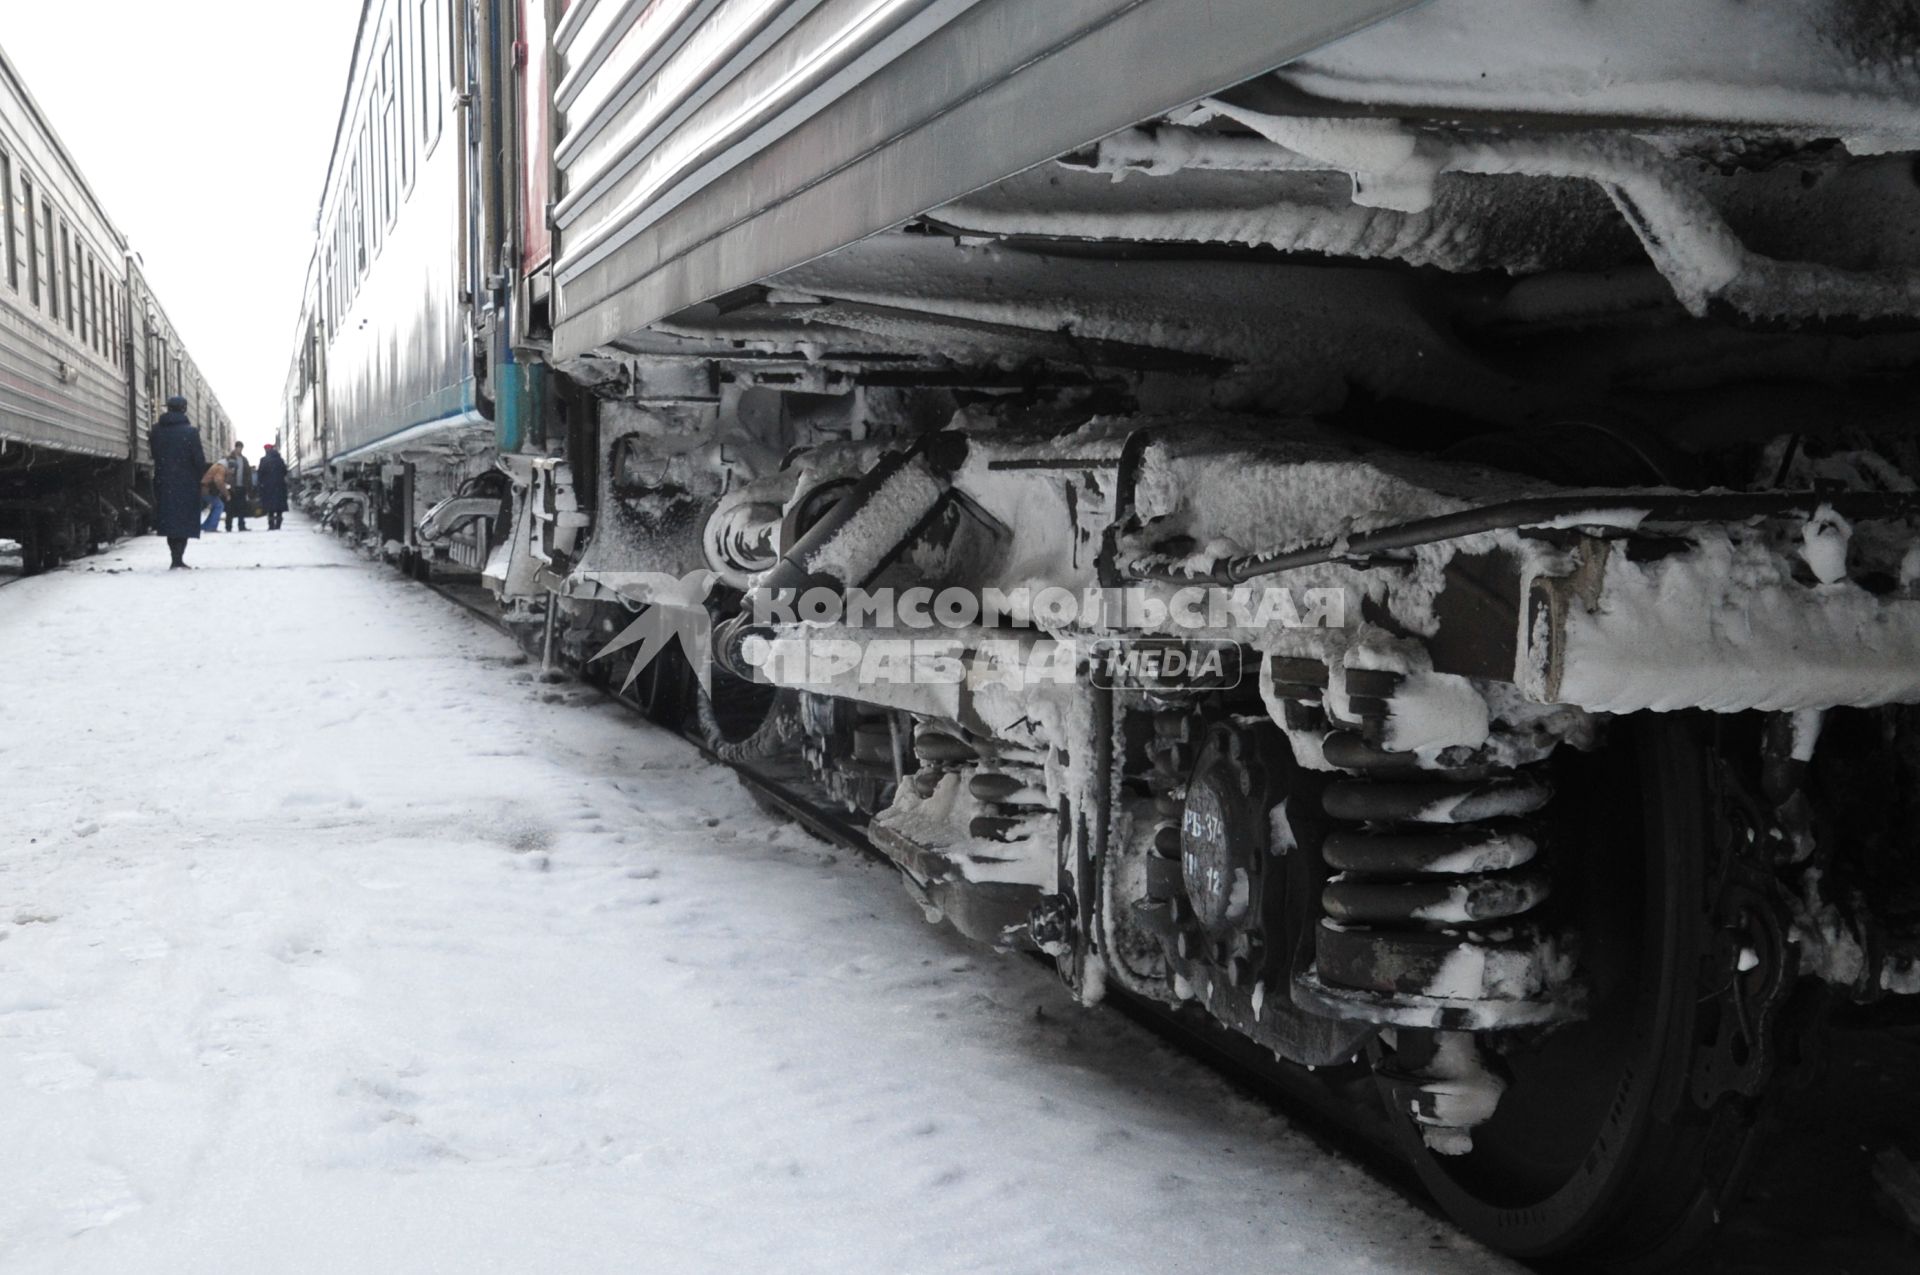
x=1834, y=1223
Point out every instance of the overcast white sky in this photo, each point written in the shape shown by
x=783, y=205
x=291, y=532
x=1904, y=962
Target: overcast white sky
x=204, y=126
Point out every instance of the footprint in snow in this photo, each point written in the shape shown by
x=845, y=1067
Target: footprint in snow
x=102, y=1197
x=296, y=949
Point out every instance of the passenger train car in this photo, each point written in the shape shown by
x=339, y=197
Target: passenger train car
x=87, y=354
x=1420, y=499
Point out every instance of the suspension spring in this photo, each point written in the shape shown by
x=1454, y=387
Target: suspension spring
x=940, y=750
x=1011, y=787
x=1431, y=919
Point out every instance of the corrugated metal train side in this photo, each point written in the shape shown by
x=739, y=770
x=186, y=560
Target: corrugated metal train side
x=87, y=355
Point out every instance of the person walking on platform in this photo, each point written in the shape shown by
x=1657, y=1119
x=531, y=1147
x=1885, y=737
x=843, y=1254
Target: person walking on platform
x=271, y=474
x=214, y=490
x=178, y=463
x=240, y=483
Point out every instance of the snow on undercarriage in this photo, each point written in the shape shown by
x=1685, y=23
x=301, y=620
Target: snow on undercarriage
x=1498, y=412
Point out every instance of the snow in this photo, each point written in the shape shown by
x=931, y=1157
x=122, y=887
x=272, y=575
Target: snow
x=334, y=939
x=1395, y=168
x=892, y=510
x=1824, y=545
x=1820, y=65
x=1726, y=627
x=940, y=822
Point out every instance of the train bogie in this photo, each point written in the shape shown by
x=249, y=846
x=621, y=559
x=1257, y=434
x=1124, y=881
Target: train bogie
x=1329, y=529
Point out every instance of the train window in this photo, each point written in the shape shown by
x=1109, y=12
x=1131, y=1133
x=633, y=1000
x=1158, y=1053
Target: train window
x=6, y=210
x=66, y=274
x=33, y=239
x=404, y=91
x=53, y=275
x=433, y=78
x=389, y=137
x=371, y=175
x=358, y=220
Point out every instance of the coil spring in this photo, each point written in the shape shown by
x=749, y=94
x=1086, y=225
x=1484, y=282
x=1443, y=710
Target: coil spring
x=1011, y=787
x=1008, y=782
x=1430, y=918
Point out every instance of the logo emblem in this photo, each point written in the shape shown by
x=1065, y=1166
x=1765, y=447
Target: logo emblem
x=673, y=608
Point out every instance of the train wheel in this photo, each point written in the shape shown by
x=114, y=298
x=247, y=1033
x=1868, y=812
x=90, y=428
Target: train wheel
x=743, y=721
x=40, y=551
x=665, y=688
x=1610, y=1138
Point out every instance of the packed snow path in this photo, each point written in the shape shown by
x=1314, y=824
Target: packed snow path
x=333, y=940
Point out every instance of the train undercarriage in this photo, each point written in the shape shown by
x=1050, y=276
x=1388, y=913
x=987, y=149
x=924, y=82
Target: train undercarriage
x=1569, y=810
x=1435, y=589
x=58, y=507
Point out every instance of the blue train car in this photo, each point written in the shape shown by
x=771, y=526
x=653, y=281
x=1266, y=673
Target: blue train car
x=385, y=380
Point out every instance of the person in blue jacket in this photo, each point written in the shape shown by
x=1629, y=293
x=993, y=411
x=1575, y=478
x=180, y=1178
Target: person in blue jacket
x=179, y=460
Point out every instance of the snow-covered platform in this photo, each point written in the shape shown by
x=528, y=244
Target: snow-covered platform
x=332, y=939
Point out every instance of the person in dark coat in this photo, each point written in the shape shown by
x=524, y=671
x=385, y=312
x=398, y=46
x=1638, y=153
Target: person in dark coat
x=271, y=475
x=178, y=462
x=240, y=479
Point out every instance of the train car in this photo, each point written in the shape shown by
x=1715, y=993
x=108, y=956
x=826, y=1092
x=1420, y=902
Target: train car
x=1390, y=527
x=86, y=354
x=160, y=367
x=304, y=419
x=384, y=392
